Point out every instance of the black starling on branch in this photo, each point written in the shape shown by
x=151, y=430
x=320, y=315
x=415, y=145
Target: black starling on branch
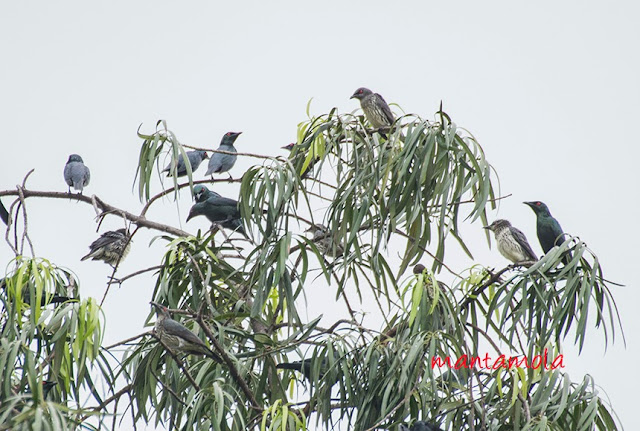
x=178, y=337
x=220, y=162
x=549, y=231
x=375, y=108
x=217, y=209
x=512, y=243
x=195, y=158
x=76, y=174
x=112, y=247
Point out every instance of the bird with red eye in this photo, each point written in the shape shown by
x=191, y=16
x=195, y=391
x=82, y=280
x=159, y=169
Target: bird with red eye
x=375, y=108
x=549, y=231
x=223, y=162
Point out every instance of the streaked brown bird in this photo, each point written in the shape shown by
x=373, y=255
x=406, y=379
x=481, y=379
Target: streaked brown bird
x=375, y=108
x=178, y=337
x=323, y=238
x=112, y=247
x=512, y=243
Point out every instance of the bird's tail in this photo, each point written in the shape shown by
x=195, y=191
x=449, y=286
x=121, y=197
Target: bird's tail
x=290, y=366
x=4, y=214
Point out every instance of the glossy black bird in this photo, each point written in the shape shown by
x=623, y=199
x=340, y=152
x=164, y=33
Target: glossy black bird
x=220, y=162
x=217, y=209
x=512, y=243
x=195, y=158
x=45, y=299
x=178, y=337
x=112, y=247
x=375, y=108
x=304, y=367
x=549, y=231
x=76, y=174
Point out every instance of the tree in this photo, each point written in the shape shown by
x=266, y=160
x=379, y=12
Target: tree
x=412, y=187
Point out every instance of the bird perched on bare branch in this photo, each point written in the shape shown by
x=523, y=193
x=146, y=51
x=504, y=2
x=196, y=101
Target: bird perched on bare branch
x=76, y=174
x=221, y=162
x=324, y=241
x=178, y=337
x=512, y=243
x=218, y=209
x=375, y=108
x=112, y=247
x=195, y=158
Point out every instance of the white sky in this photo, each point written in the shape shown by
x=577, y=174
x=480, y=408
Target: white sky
x=549, y=89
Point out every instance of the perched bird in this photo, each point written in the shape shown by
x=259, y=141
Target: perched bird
x=419, y=426
x=324, y=241
x=76, y=174
x=195, y=159
x=304, y=367
x=549, y=231
x=219, y=162
x=217, y=209
x=512, y=243
x=309, y=169
x=375, y=108
x=178, y=337
x=112, y=247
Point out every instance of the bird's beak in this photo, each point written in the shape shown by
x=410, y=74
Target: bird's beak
x=353, y=96
x=528, y=204
x=486, y=227
x=191, y=215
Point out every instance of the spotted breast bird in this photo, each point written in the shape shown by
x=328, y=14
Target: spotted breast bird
x=76, y=174
x=195, y=158
x=375, y=108
x=512, y=243
x=324, y=241
x=549, y=231
x=217, y=209
x=177, y=337
x=112, y=247
x=220, y=162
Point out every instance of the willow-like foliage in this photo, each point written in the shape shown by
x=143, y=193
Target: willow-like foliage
x=388, y=199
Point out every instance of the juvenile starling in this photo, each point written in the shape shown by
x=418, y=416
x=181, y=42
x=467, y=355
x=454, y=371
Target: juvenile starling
x=217, y=209
x=195, y=159
x=324, y=241
x=549, y=231
x=219, y=162
x=112, y=247
x=76, y=174
x=375, y=108
x=178, y=337
x=512, y=243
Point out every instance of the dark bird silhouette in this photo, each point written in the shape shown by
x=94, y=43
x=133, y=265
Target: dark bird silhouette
x=112, y=247
x=219, y=162
x=549, y=231
x=76, y=174
x=45, y=299
x=309, y=169
x=178, y=337
x=217, y=209
x=304, y=367
x=195, y=158
x=324, y=241
x=420, y=426
x=512, y=243
x=375, y=108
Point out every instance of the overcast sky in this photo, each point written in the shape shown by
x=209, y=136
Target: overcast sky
x=549, y=89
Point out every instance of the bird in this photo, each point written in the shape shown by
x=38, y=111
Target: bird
x=324, y=241
x=309, y=169
x=177, y=337
x=195, y=159
x=304, y=367
x=112, y=247
x=549, y=231
x=76, y=174
x=419, y=426
x=375, y=108
x=217, y=209
x=220, y=162
x=512, y=243
x=46, y=298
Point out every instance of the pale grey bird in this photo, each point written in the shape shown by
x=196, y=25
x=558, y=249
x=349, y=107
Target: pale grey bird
x=324, y=241
x=195, y=159
x=219, y=162
x=512, y=243
x=178, y=337
x=76, y=174
x=375, y=108
x=112, y=247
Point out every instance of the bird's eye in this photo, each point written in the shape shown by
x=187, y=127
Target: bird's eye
x=228, y=133
x=538, y=203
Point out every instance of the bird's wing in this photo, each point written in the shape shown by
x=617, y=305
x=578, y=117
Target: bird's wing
x=522, y=241
x=87, y=176
x=67, y=174
x=178, y=329
x=215, y=163
x=385, y=107
x=106, y=239
x=221, y=201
